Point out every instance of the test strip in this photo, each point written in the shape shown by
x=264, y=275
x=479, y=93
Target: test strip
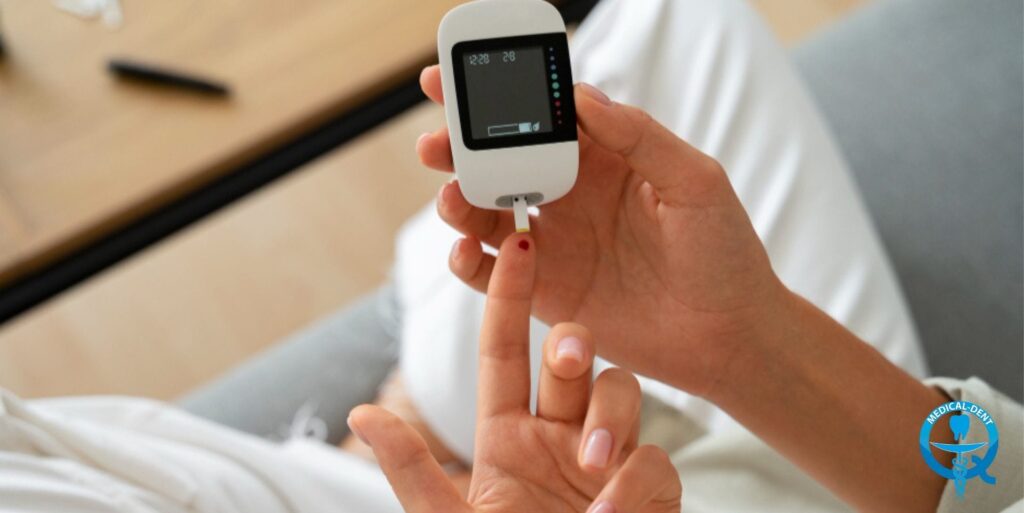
x=522, y=217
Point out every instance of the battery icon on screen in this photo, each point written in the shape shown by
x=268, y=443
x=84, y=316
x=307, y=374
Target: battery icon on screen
x=512, y=129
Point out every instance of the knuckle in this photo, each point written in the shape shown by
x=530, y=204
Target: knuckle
x=504, y=354
x=490, y=224
x=713, y=166
x=621, y=381
x=414, y=456
x=642, y=122
x=566, y=329
x=653, y=455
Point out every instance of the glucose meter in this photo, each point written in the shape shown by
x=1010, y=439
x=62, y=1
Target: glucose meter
x=507, y=84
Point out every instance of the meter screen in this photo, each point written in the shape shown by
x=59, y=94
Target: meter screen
x=514, y=91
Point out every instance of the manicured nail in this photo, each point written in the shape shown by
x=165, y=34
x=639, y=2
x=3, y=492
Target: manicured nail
x=595, y=93
x=598, y=449
x=356, y=431
x=570, y=347
x=601, y=507
x=524, y=244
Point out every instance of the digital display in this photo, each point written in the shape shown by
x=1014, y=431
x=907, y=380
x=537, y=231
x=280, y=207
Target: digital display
x=507, y=92
x=514, y=91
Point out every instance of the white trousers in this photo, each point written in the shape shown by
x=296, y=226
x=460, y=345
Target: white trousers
x=714, y=74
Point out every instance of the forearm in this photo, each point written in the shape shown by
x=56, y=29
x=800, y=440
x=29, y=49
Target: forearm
x=836, y=407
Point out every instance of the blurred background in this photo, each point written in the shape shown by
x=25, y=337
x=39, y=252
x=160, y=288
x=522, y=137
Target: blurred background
x=152, y=237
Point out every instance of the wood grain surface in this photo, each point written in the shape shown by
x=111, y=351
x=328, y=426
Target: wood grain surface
x=81, y=153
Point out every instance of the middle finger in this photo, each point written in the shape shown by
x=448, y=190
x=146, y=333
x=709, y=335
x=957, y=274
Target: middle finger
x=430, y=82
x=489, y=226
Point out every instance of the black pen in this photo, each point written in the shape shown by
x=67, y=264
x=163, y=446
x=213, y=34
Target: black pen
x=134, y=70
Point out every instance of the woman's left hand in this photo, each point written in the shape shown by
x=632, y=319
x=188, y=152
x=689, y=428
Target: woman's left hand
x=577, y=454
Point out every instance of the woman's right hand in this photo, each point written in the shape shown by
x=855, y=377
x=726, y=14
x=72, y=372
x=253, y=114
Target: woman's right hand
x=651, y=249
x=578, y=452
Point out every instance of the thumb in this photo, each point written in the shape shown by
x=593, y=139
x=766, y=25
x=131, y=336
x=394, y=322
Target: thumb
x=417, y=479
x=677, y=171
x=646, y=482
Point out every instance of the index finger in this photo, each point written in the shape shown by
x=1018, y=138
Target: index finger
x=678, y=172
x=504, y=375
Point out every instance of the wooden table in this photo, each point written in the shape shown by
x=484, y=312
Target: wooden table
x=187, y=309
x=82, y=154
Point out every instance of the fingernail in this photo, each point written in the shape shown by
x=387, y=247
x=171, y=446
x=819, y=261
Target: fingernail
x=455, y=250
x=422, y=136
x=598, y=449
x=524, y=244
x=356, y=431
x=601, y=507
x=442, y=195
x=595, y=93
x=569, y=347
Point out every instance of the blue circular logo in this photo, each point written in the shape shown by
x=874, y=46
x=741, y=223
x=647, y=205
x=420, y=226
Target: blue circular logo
x=962, y=470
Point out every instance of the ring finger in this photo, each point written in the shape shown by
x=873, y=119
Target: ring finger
x=611, y=419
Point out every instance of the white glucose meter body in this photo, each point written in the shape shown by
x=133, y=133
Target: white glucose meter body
x=508, y=92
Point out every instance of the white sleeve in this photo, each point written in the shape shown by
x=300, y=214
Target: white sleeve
x=1008, y=490
x=713, y=73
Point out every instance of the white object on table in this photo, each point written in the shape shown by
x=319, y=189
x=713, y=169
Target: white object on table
x=107, y=10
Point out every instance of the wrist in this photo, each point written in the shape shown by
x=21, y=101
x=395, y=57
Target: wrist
x=761, y=352
x=806, y=386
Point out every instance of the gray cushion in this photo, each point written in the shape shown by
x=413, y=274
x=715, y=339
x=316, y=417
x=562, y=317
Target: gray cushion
x=925, y=98
x=325, y=371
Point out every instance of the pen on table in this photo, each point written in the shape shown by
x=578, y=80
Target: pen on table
x=143, y=72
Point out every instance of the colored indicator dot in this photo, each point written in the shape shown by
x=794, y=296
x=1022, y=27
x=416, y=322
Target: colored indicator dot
x=558, y=113
x=555, y=85
x=559, y=121
x=552, y=67
x=552, y=58
x=554, y=76
x=558, y=103
x=558, y=94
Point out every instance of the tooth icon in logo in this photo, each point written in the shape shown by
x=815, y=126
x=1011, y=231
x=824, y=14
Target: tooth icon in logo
x=959, y=424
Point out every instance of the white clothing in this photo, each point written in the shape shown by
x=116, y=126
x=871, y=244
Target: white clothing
x=120, y=454
x=712, y=73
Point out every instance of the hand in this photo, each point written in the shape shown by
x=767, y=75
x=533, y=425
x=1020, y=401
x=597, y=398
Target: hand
x=651, y=250
x=579, y=453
